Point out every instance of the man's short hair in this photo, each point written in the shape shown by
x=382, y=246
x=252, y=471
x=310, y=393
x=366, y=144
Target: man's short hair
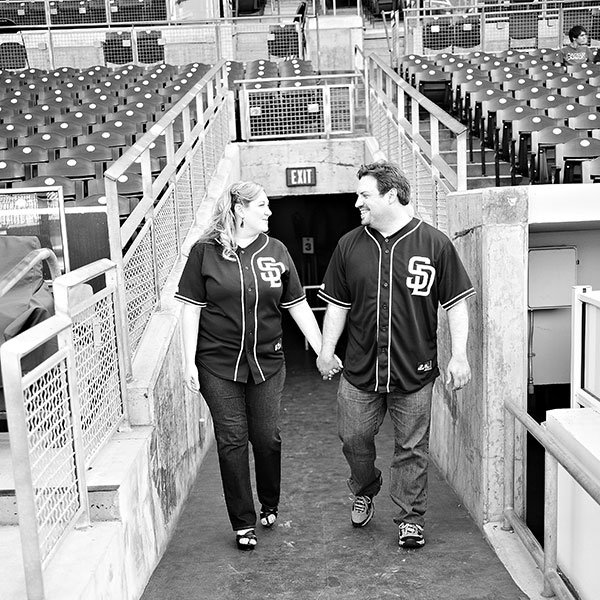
x=388, y=176
x=576, y=31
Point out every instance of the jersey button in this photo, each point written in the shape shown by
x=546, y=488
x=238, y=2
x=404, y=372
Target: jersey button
x=384, y=306
x=387, y=251
x=386, y=240
x=385, y=284
x=384, y=328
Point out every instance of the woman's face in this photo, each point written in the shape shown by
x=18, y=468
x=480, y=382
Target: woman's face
x=256, y=215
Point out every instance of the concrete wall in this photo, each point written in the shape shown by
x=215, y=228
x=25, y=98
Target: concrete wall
x=489, y=228
x=336, y=162
x=331, y=42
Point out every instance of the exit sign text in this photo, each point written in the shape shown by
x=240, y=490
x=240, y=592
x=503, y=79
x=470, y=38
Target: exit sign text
x=295, y=176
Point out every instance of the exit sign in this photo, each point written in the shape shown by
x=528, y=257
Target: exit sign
x=295, y=176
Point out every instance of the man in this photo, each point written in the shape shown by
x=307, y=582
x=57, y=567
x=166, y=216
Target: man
x=577, y=50
x=385, y=279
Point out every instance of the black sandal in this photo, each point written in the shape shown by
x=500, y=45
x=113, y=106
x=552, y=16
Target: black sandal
x=268, y=516
x=247, y=540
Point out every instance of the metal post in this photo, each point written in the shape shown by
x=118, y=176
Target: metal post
x=576, y=340
x=550, y=522
x=19, y=448
x=509, y=466
x=116, y=255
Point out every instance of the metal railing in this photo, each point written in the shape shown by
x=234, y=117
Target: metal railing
x=175, y=42
x=293, y=107
x=585, y=334
x=496, y=26
x=394, y=109
x=147, y=244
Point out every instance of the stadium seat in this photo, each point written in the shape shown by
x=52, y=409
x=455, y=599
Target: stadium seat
x=126, y=204
x=12, y=132
x=129, y=184
x=590, y=171
x=571, y=154
x=98, y=153
x=106, y=138
x=53, y=142
x=72, y=189
x=522, y=130
x=543, y=150
x=591, y=99
x=576, y=89
x=11, y=171
x=563, y=112
x=587, y=121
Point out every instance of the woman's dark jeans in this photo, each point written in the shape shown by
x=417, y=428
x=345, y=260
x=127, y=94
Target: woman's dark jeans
x=243, y=412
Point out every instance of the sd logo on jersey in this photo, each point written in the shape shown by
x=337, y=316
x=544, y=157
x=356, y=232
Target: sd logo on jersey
x=270, y=270
x=423, y=275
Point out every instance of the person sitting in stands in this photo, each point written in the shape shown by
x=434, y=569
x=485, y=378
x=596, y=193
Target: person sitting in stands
x=577, y=50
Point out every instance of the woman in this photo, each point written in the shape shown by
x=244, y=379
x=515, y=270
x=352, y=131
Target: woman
x=234, y=285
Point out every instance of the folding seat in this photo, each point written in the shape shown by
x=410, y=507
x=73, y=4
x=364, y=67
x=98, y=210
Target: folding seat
x=45, y=113
x=528, y=93
x=99, y=96
x=543, y=149
x=53, y=142
x=591, y=99
x=590, y=171
x=142, y=115
x=588, y=121
x=435, y=84
x=97, y=153
x=563, y=112
x=106, y=138
x=67, y=90
x=489, y=113
x=11, y=171
x=535, y=72
x=504, y=122
x=72, y=188
x=518, y=83
x=583, y=70
x=30, y=156
x=559, y=82
x=80, y=169
x=6, y=113
x=549, y=101
x=126, y=204
x=576, y=89
x=522, y=130
x=446, y=58
x=127, y=128
x=12, y=132
x=571, y=154
x=16, y=103
x=25, y=119
x=128, y=184
x=67, y=126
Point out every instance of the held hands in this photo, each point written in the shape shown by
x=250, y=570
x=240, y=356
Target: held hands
x=329, y=366
x=458, y=373
x=191, y=378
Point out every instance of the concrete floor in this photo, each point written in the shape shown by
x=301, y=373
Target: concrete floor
x=314, y=552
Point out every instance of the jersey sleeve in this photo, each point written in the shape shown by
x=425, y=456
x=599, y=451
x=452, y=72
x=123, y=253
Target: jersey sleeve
x=293, y=292
x=335, y=287
x=191, y=289
x=454, y=283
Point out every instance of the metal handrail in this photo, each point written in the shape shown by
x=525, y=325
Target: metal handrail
x=10, y=279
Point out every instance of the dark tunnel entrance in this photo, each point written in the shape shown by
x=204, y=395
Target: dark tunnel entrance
x=310, y=227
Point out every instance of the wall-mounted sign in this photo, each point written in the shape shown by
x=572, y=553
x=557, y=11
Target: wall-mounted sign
x=308, y=245
x=295, y=176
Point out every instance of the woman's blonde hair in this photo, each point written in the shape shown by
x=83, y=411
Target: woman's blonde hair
x=221, y=228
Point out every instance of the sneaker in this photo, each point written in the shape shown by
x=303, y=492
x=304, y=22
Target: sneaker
x=362, y=511
x=410, y=535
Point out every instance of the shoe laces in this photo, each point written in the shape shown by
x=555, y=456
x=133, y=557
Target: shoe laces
x=410, y=529
x=361, y=504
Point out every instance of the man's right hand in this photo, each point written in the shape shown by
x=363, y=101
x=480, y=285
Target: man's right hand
x=329, y=365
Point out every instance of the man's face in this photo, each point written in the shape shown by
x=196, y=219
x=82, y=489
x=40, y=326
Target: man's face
x=582, y=39
x=375, y=209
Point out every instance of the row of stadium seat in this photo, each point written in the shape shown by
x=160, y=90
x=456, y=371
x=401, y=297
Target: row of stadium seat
x=547, y=112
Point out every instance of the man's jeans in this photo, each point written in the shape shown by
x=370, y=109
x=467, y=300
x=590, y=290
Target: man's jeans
x=360, y=415
x=245, y=412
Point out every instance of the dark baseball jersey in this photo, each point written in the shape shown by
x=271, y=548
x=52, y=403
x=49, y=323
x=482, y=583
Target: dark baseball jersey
x=391, y=288
x=241, y=300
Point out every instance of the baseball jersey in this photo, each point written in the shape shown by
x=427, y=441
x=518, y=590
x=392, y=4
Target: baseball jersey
x=391, y=288
x=241, y=300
